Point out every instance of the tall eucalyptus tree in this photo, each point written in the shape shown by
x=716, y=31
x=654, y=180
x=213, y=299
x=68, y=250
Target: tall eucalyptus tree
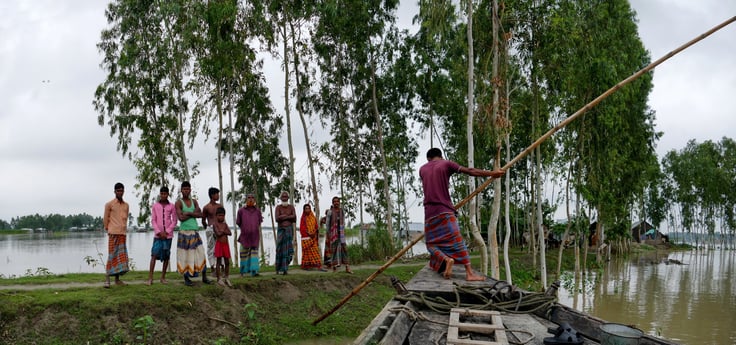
x=143, y=98
x=355, y=49
x=225, y=66
x=590, y=46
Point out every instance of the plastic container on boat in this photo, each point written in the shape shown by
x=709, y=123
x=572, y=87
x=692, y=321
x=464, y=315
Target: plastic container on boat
x=618, y=334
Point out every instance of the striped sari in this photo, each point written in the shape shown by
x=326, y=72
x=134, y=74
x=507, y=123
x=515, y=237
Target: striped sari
x=443, y=241
x=117, y=260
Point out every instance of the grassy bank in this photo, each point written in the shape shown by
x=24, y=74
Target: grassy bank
x=264, y=310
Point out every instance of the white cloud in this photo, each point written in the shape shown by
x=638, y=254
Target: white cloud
x=56, y=159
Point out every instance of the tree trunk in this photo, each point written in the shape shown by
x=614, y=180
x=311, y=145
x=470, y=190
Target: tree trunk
x=542, y=249
x=287, y=115
x=472, y=207
x=384, y=169
x=233, y=198
x=569, y=220
x=300, y=110
x=507, y=216
x=219, y=135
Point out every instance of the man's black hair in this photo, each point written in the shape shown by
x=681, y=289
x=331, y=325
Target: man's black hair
x=434, y=152
x=119, y=186
x=213, y=191
x=186, y=184
x=220, y=210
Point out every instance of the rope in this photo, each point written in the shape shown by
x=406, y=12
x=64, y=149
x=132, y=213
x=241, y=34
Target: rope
x=524, y=304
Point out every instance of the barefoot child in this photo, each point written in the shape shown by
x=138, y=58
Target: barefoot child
x=163, y=219
x=222, y=249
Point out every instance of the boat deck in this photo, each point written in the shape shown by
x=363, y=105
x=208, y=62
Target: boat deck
x=408, y=323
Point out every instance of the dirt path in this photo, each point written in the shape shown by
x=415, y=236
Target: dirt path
x=176, y=279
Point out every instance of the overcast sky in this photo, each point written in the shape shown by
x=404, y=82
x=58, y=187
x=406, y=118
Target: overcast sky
x=54, y=158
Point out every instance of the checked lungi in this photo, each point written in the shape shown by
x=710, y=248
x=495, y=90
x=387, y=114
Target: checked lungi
x=117, y=259
x=443, y=239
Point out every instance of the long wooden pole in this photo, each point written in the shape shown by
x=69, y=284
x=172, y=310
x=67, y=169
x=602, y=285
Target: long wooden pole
x=521, y=155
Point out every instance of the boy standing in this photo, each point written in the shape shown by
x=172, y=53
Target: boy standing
x=222, y=248
x=163, y=219
x=208, y=220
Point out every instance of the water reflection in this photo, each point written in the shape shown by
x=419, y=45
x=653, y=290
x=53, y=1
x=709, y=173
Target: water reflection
x=65, y=252
x=689, y=297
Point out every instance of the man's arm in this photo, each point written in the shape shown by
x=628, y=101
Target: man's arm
x=106, y=217
x=197, y=211
x=155, y=220
x=179, y=212
x=279, y=216
x=205, y=213
x=292, y=217
x=481, y=172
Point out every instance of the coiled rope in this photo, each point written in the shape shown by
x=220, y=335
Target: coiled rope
x=489, y=298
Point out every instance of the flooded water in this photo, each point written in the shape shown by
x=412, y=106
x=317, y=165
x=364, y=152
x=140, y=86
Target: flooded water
x=65, y=252
x=688, y=297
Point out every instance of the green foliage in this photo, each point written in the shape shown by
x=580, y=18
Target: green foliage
x=700, y=184
x=143, y=325
x=379, y=247
x=56, y=222
x=147, y=57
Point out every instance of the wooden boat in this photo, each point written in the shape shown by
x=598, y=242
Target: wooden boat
x=433, y=310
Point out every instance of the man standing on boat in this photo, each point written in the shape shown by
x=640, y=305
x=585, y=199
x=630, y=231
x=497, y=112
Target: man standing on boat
x=444, y=242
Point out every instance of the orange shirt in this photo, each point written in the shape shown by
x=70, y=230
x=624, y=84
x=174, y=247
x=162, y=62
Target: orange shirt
x=116, y=217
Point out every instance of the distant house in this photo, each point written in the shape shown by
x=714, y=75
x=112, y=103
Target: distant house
x=643, y=232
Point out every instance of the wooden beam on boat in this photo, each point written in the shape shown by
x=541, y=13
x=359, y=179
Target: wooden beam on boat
x=380, y=324
x=589, y=325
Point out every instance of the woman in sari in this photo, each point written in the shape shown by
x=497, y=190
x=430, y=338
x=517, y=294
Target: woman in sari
x=309, y=231
x=335, y=223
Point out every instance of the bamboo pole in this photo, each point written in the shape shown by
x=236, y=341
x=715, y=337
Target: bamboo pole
x=521, y=155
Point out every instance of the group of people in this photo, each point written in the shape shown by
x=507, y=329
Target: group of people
x=192, y=254
x=444, y=242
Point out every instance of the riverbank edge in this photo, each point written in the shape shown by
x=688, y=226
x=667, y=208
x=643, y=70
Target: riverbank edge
x=271, y=309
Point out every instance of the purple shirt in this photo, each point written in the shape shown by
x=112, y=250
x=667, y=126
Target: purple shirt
x=435, y=177
x=163, y=218
x=249, y=220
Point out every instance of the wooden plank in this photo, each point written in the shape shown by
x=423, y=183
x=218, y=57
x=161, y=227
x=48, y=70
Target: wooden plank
x=518, y=324
x=494, y=327
x=399, y=330
x=433, y=284
x=380, y=324
x=432, y=331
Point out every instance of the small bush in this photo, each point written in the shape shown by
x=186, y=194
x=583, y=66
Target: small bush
x=378, y=247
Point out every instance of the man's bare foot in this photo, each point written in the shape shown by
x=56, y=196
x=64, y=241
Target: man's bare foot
x=472, y=276
x=448, y=268
x=149, y=282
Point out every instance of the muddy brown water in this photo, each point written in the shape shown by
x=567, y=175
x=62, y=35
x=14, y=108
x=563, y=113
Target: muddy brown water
x=688, y=297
